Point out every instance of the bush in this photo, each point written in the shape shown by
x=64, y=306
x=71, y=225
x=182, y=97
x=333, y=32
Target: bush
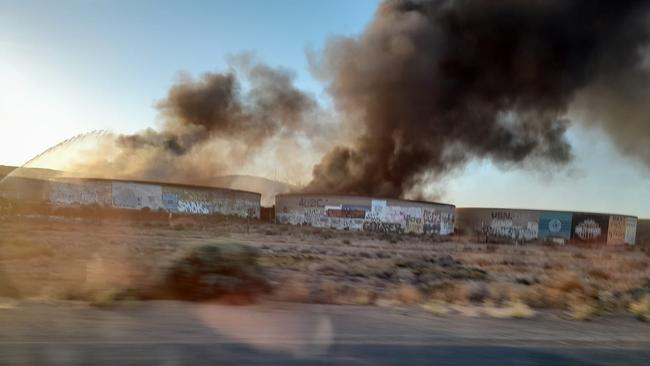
x=217, y=270
x=581, y=308
x=408, y=295
x=436, y=308
x=641, y=308
x=517, y=310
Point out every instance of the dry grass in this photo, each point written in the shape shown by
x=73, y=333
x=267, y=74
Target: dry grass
x=400, y=295
x=598, y=274
x=516, y=310
x=294, y=290
x=336, y=267
x=583, y=309
x=641, y=308
x=436, y=308
x=406, y=294
x=23, y=249
x=346, y=295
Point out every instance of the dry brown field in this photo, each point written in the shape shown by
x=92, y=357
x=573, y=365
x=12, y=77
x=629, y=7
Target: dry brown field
x=56, y=258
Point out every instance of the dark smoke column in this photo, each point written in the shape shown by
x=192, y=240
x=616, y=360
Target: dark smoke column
x=432, y=84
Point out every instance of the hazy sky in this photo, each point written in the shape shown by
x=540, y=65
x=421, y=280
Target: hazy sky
x=68, y=67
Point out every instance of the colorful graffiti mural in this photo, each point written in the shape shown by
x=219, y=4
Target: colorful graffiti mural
x=516, y=225
x=199, y=201
x=616, y=230
x=555, y=225
x=510, y=225
x=361, y=213
x=590, y=227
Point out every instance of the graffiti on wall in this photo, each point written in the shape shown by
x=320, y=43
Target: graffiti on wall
x=69, y=192
x=616, y=230
x=437, y=222
x=630, y=230
x=80, y=193
x=312, y=202
x=555, y=225
x=183, y=200
x=199, y=201
x=511, y=225
x=65, y=194
x=346, y=211
x=589, y=227
x=379, y=216
x=382, y=227
x=137, y=196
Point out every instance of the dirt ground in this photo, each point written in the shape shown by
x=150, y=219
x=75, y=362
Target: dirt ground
x=55, y=258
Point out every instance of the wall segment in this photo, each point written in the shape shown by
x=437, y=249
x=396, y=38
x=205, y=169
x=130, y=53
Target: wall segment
x=131, y=195
x=517, y=225
x=365, y=213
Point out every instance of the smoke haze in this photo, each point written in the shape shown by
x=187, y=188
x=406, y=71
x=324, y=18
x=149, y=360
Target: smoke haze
x=426, y=87
x=212, y=125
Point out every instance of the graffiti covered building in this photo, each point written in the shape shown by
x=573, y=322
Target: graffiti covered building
x=133, y=195
x=365, y=213
x=517, y=225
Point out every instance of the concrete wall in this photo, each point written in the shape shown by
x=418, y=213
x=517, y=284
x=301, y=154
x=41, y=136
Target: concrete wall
x=365, y=213
x=23, y=189
x=208, y=201
x=135, y=196
x=513, y=225
x=71, y=194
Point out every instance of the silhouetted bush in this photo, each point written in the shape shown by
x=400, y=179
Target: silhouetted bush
x=212, y=271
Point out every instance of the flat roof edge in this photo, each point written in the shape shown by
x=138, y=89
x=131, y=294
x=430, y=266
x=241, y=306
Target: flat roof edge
x=365, y=197
x=182, y=185
x=545, y=210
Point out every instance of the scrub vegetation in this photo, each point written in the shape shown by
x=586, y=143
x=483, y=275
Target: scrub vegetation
x=105, y=261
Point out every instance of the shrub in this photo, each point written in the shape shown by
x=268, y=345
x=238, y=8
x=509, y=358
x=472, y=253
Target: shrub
x=567, y=282
x=517, y=310
x=404, y=294
x=581, y=308
x=436, y=308
x=296, y=290
x=104, y=299
x=215, y=270
x=477, y=292
x=641, y=308
x=408, y=295
x=598, y=274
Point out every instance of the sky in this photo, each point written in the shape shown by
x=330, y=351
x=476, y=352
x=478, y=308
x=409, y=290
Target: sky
x=69, y=67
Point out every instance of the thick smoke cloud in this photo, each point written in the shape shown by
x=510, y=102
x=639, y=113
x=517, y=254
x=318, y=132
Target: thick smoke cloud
x=212, y=125
x=431, y=84
x=426, y=87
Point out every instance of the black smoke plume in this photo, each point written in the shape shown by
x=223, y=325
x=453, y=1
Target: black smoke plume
x=431, y=84
x=212, y=125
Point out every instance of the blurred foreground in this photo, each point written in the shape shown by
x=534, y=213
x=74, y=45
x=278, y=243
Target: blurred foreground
x=89, y=290
x=181, y=333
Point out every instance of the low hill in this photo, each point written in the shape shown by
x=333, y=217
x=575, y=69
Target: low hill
x=36, y=173
x=5, y=170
